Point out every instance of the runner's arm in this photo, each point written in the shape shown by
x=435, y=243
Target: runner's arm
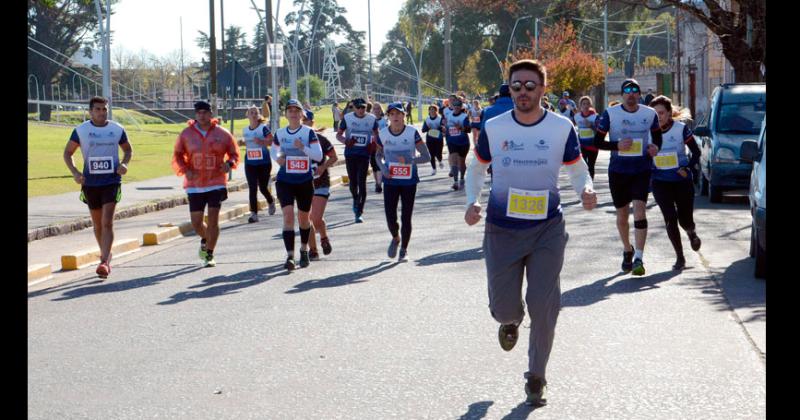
x=476, y=173
x=127, y=151
x=695, y=159
x=424, y=153
x=69, y=150
x=179, y=157
x=579, y=176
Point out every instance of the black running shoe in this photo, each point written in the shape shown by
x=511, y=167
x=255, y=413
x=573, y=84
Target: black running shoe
x=627, y=261
x=534, y=389
x=326, y=245
x=680, y=264
x=289, y=265
x=508, y=335
x=695, y=241
x=304, y=260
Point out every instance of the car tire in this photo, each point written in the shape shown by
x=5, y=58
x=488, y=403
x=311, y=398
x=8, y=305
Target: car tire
x=714, y=193
x=761, y=260
x=703, y=185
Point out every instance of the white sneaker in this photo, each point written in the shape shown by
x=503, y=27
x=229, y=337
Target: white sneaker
x=433, y=173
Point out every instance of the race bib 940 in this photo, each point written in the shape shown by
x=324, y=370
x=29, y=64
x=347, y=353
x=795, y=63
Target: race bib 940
x=529, y=205
x=101, y=165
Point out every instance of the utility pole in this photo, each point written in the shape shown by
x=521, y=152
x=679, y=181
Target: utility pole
x=213, y=61
x=536, y=37
x=369, y=35
x=181, y=84
x=605, y=55
x=678, y=42
x=222, y=33
x=448, y=86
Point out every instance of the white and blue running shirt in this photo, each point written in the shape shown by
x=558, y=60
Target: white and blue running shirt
x=526, y=160
x=100, y=149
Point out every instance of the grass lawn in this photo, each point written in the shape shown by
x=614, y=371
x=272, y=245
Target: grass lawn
x=152, y=150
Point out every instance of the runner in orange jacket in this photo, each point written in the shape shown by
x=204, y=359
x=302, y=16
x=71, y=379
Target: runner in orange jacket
x=204, y=154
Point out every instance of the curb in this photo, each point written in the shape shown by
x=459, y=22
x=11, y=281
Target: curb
x=131, y=211
x=39, y=272
x=87, y=257
x=64, y=228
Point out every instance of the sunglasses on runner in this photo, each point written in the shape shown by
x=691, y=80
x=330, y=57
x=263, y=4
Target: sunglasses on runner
x=530, y=85
x=631, y=89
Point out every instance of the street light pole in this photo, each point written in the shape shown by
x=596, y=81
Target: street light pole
x=502, y=79
x=508, y=50
x=419, y=80
x=105, y=34
x=605, y=56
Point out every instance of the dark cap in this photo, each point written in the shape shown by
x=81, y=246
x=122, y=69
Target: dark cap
x=504, y=90
x=359, y=103
x=397, y=106
x=309, y=115
x=295, y=103
x=202, y=105
x=457, y=102
x=630, y=82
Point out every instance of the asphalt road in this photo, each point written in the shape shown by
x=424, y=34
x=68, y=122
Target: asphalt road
x=358, y=335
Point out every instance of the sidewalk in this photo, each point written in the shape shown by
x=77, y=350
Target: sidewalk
x=66, y=223
x=61, y=214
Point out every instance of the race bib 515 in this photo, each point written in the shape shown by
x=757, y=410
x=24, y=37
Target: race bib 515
x=255, y=154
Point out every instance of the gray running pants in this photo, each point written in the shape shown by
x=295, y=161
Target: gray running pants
x=538, y=254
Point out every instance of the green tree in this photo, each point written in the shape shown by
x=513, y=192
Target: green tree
x=65, y=26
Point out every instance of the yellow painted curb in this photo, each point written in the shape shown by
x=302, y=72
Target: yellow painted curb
x=83, y=258
x=39, y=272
x=160, y=236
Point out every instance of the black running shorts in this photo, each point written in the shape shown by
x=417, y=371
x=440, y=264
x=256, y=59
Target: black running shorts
x=303, y=193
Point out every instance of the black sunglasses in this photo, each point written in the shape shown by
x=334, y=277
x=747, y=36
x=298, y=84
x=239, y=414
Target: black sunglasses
x=529, y=85
x=630, y=89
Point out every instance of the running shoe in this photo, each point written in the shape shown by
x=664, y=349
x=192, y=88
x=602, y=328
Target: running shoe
x=403, y=255
x=326, y=245
x=433, y=173
x=455, y=186
x=203, y=254
x=209, y=262
x=461, y=184
x=313, y=255
x=378, y=188
x=695, y=241
x=452, y=173
x=272, y=208
x=508, y=335
x=103, y=270
x=289, y=265
x=627, y=261
x=304, y=260
x=680, y=263
x=359, y=219
x=392, y=251
x=441, y=165
x=253, y=218
x=638, y=267
x=534, y=390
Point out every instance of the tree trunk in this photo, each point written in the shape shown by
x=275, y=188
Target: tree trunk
x=747, y=71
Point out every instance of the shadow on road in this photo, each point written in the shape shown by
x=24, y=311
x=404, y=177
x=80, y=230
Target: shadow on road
x=740, y=290
x=521, y=411
x=452, y=257
x=228, y=284
x=112, y=286
x=477, y=410
x=599, y=291
x=343, y=279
